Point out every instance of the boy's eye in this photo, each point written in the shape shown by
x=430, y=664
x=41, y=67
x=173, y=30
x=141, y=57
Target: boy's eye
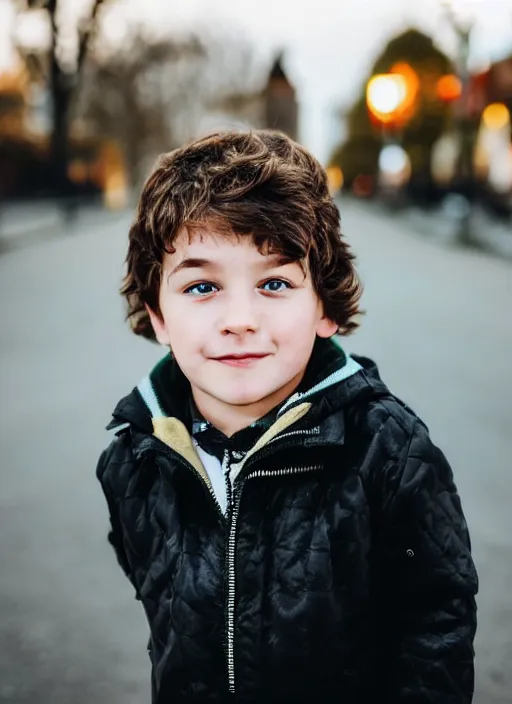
x=275, y=285
x=202, y=289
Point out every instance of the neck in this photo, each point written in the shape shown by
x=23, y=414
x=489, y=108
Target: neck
x=229, y=419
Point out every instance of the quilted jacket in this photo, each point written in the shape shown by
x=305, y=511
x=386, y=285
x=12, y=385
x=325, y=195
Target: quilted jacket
x=341, y=571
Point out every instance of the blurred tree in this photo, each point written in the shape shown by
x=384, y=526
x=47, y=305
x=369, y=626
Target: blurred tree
x=359, y=152
x=70, y=38
x=152, y=94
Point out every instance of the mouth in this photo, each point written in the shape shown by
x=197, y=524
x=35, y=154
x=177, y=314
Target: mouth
x=245, y=359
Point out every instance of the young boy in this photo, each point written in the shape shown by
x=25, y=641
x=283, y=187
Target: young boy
x=288, y=525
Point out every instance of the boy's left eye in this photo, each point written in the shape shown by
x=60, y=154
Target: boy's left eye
x=275, y=285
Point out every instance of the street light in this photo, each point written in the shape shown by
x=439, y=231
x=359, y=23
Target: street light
x=384, y=95
x=449, y=88
x=495, y=142
x=459, y=16
x=391, y=97
x=496, y=116
x=335, y=179
x=391, y=100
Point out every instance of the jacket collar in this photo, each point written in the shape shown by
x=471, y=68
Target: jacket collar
x=317, y=411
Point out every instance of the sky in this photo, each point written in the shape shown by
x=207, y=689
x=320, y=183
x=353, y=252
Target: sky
x=329, y=44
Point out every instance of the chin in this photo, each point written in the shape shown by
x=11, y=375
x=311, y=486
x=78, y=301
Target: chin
x=242, y=398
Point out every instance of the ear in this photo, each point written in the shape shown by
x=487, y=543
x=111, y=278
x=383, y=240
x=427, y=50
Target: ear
x=159, y=326
x=326, y=327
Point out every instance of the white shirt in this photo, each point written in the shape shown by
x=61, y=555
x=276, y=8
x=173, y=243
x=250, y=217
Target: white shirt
x=214, y=470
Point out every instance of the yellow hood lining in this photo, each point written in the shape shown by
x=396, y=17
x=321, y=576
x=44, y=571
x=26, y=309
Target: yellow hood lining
x=173, y=433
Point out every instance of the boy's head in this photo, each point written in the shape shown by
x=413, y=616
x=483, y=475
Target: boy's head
x=236, y=262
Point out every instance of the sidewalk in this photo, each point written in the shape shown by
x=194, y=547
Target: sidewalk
x=24, y=224
x=489, y=235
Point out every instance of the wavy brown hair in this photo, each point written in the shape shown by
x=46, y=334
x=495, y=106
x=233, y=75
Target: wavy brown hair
x=260, y=184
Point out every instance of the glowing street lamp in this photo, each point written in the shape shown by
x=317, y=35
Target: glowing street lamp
x=385, y=94
x=496, y=116
x=495, y=142
x=458, y=13
x=335, y=179
x=449, y=88
x=394, y=166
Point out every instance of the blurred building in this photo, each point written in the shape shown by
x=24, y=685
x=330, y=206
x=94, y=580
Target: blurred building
x=13, y=107
x=21, y=151
x=279, y=101
x=491, y=103
x=25, y=128
x=492, y=86
x=273, y=105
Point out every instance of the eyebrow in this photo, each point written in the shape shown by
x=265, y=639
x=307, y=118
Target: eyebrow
x=271, y=261
x=192, y=263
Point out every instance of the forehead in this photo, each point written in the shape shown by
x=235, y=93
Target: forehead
x=218, y=247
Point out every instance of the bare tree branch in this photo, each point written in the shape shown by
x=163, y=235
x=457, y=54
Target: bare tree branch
x=151, y=95
x=86, y=33
x=64, y=78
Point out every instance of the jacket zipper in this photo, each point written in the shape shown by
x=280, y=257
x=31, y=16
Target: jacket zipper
x=294, y=433
x=231, y=597
x=284, y=472
x=230, y=617
x=227, y=479
x=230, y=567
x=234, y=498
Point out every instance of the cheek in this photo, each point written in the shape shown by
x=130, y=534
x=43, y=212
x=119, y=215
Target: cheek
x=295, y=319
x=177, y=320
x=180, y=314
x=192, y=340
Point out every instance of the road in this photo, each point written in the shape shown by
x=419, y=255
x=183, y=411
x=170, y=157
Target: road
x=438, y=322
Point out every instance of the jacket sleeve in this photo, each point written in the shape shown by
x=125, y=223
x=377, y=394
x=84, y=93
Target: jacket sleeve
x=112, y=458
x=426, y=583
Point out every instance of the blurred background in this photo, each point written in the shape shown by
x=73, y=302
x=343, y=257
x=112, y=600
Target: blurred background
x=407, y=105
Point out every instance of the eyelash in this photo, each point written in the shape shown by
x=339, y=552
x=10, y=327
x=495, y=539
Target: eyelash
x=190, y=289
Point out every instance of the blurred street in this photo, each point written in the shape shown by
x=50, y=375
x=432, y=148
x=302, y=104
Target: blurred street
x=438, y=323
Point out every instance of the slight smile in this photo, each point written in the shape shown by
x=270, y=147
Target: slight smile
x=240, y=360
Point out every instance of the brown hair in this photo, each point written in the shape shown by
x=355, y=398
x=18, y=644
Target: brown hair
x=257, y=183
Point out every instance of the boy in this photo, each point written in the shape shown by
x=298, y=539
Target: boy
x=288, y=525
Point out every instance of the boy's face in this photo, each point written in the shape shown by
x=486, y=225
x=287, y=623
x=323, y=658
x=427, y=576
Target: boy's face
x=240, y=324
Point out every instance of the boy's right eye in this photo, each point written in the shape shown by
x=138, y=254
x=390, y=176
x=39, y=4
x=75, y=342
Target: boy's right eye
x=201, y=289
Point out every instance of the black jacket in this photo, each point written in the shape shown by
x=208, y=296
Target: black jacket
x=341, y=573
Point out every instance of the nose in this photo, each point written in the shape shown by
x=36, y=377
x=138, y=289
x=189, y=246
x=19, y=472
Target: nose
x=239, y=315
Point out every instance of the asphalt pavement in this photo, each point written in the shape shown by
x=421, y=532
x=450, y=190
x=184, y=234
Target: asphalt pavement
x=438, y=323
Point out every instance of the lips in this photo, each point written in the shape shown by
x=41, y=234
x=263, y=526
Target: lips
x=244, y=359
x=243, y=355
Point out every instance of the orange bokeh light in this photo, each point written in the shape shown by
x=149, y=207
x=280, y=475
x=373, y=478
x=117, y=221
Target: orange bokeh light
x=398, y=93
x=412, y=87
x=449, y=88
x=496, y=116
x=384, y=95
